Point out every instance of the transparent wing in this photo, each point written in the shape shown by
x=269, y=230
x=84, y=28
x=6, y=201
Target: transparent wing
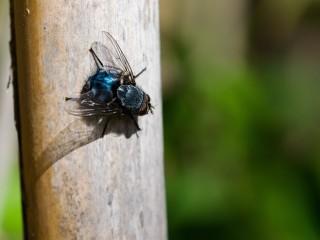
x=77, y=134
x=80, y=132
x=111, y=55
x=107, y=58
x=74, y=107
x=87, y=106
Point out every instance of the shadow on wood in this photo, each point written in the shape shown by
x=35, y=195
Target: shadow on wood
x=80, y=133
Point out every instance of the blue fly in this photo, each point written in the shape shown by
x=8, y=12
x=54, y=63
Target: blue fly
x=110, y=91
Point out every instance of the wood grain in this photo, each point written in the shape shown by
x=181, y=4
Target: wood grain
x=112, y=188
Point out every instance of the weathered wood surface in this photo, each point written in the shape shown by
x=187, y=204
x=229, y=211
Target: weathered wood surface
x=112, y=188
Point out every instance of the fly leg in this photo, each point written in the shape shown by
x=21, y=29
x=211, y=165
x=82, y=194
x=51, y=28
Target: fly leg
x=105, y=128
x=96, y=59
x=140, y=72
x=135, y=121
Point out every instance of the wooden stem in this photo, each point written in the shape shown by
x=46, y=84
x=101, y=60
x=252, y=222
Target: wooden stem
x=113, y=187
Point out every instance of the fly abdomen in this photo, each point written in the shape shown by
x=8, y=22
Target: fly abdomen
x=102, y=95
x=103, y=80
x=103, y=85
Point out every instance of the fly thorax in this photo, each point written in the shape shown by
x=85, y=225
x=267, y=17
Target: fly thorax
x=130, y=97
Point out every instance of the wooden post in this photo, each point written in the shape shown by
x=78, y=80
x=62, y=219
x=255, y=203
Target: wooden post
x=111, y=188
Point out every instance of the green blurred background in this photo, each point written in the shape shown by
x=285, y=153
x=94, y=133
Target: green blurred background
x=241, y=108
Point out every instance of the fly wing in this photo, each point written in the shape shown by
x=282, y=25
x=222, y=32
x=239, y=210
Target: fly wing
x=108, y=58
x=79, y=133
x=74, y=107
x=87, y=106
x=111, y=56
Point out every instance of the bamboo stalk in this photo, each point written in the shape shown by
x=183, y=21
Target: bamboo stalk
x=113, y=187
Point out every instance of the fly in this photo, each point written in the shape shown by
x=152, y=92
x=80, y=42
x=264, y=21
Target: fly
x=110, y=91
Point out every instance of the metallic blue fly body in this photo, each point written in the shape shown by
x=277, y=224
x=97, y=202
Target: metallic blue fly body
x=112, y=89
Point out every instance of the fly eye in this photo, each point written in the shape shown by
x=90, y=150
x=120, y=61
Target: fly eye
x=144, y=109
x=148, y=98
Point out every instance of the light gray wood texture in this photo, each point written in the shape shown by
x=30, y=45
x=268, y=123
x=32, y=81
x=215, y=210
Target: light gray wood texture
x=112, y=188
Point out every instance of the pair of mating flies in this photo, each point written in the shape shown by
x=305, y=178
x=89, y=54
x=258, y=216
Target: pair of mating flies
x=112, y=89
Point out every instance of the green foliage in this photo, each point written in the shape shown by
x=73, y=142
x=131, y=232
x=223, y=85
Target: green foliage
x=11, y=225
x=241, y=152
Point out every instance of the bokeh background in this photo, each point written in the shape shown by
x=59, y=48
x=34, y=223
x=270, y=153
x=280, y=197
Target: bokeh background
x=241, y=83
